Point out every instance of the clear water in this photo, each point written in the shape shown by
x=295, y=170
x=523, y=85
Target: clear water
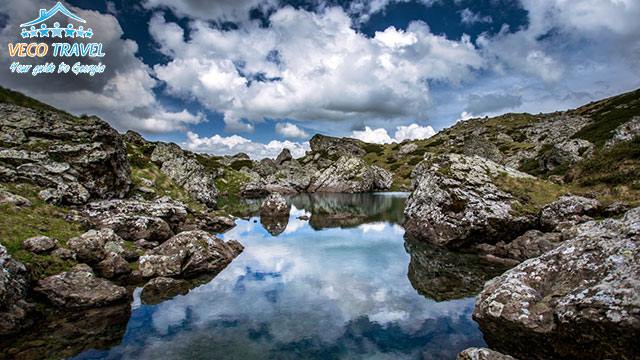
x=343, y=285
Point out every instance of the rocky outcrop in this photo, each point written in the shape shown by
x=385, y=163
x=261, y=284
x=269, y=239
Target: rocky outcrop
x=186, y=171
x=17, y=200
x=407, y=149
x=284, y=156
x=75, y=159
x=351, y=175
x=40, y=244
x=80, y=288
x=163, y=288
x=624, y=132
x=482, y=354
x=455, y=202
x=332, y=146
x=14, y=284
x=275, y=205
x=567, y=211
x=565, y=153
x=576, y=301
x=289, y=178
x=189, y=253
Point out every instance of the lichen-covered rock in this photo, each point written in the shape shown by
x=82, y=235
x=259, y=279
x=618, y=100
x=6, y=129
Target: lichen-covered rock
x=351, y=175
x=275, y=205
x=284, y=156
x=579, y=300
x=187, y=172
x=332, y=146
x=113, y=266
x=80, y=288
x=162, y=288
x=566, y=153
x=455, y=202
x=482, y=354
x=624, y=132
x=531, y=244
x=187, y=254
x=14, y=284
x=17, y=200
x=568, y=211
x=74, y=158
x=40, y=244
x=90, y=246
x=407, y=149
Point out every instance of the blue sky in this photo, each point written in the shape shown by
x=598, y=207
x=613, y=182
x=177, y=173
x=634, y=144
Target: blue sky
x=258, y=75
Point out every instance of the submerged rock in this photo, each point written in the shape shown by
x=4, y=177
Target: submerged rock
x=14, y=284
x=187, y=254
x=482, y=354
x=579, y=300
x=351, y=175
x=162, y=288
x=80, y=288
x=455, y=202
x=40, y=244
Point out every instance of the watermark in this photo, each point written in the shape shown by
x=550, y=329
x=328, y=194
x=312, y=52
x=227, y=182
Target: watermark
x=72, y=44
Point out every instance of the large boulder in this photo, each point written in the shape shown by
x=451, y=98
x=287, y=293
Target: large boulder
x=333, y=146
x=80, y=288
x=625, y=132
x=565, y=153
x=187, y=254
x=351, y=175
x=284, y=156
x=14, y=284
x=577, y=301
x=40, y=244
x=185, y=170
x=482, y=354
x=74, y=158
x=90, y=246
x=455, y=202
x=275, y=205
x=567, y=211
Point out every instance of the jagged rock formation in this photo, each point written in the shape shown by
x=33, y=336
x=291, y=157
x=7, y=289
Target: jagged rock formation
x=455, y=202
x=332, y=147
x=14, y=284
x=351, y=175
x=482, y=354
x=576, y=301
x=75, y=159
x=80, y=288
x=187, y=254
x=187, y=172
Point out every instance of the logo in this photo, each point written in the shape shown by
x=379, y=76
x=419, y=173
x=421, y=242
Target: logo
x=56, y=41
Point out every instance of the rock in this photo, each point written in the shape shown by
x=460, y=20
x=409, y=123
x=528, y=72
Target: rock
x=80, y=288
x=17, y=200
x=482, y=354
x=187, y=254
x=144, y=244
x=274, y=225
x=113, y=266
x=183, y=168
x=624, y=132
x=337, y=146
x=407, y=149
x=578, y=300
x=455, y=202
x=351, y=175
x=284, y=156
x=275, y=205
x=64, y=254
x=40, y=244
x=531, y=244
x=566, y=153
x=162, y=288
x=75, y=158
x=265, y=167
x=14, y=285
x=567, y=211
x=303, y=217
x=479, y=146
x=90, y=246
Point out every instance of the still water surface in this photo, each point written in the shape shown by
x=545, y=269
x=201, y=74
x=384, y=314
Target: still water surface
x=341, y=285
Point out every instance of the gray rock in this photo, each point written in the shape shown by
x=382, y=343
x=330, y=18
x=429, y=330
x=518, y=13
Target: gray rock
x=566, y=153
x=284, y=156
x=337, y=146
x=76, y=158
x=64, y=254
x=531, y=244
x=265, y=167
x=578, y=300
x=567, y=211
x=14, y=285
x=113, y=266
x=455, y=202
x=624, y=132
x=17, y=200
x=275, y=205
x=40, y=244
x=80, y=288
x=186, y=171
x=482, y=354
x=351, y=175
x=90, y=246
x=163, y=288
x=187, y=254
x=407, y=149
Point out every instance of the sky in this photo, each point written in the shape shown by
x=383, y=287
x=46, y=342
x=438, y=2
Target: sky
x=229, y=76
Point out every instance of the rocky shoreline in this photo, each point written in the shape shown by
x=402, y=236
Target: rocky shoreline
x=91, y=214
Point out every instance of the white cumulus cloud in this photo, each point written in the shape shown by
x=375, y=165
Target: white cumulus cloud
x=231, y=145
x=289, y=130
x=381, y=136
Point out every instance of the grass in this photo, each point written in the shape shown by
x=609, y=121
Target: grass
x=19, y=224
x=619, y=165
x=17, y=98
x=532, y=194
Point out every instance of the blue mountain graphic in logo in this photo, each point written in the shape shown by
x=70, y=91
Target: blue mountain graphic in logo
x=46, y=15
